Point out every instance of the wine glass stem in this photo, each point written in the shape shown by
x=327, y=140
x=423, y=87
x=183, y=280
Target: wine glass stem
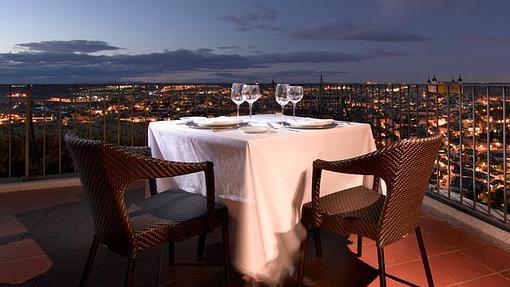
x=294, y=111
x=238, y=111
x=283, y=108
x=250, y=109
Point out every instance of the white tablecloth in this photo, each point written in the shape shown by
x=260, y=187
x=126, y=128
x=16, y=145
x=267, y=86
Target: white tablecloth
x=263, y=179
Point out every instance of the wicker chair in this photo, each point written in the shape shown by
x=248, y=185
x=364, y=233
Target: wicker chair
x=106, y=170
x=406, y=167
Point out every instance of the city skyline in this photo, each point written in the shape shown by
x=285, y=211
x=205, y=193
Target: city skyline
x=288, y=41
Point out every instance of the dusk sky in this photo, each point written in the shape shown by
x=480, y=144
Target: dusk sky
x=224, y=41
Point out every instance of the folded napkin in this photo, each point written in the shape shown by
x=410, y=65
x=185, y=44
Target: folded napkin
x=310, y=122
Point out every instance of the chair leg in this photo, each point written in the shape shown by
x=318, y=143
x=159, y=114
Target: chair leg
x=317, y=239
x=90, y=262
x=226, y=253
x=301, y=264
x=424, y=257
x=201, y=245
x=359, y=245
x=382, y=268
x=130, y=274
x=171, y=253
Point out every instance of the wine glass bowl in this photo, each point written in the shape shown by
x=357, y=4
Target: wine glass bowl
x=235, y=95
x=281, y=97
x=295, y=94
x=250, y=93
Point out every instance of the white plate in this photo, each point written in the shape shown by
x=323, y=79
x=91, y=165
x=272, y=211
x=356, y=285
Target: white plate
x=219, y=122
x=254, y=130
x=311, y=123
x=191, y=119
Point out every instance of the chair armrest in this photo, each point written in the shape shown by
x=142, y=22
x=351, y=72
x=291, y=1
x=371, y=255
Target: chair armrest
x=365, y=165
x=146, y=167
x=141, y=150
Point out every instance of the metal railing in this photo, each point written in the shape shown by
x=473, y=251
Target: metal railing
x=470, y=174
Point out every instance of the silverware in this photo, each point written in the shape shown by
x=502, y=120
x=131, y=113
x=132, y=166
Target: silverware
x=270, y=125
x=216, y=130
x=292, y=130
x=344, y=122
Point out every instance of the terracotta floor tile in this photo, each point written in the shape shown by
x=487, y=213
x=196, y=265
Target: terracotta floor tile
x=506, y=274
x=458, y=238
x=366, y=253
x=72, y=261
x=430, y=224
x=433, y=244
x=42, y=231
x=393, y=254
x=52, y=245
x=11, y=225
x=20, y=271
x=414, y=273
x=6, y=249
x=490, y=255
x=494, y=280
x=31, y=218
x=78, y=240
x=458, y=266
x=26, y=248
x=67, y=279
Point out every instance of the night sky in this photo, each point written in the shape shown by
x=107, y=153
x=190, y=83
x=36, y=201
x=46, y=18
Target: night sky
x=63, y=41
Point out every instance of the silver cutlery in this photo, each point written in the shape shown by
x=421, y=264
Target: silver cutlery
x=270, y=125
x=216, y=130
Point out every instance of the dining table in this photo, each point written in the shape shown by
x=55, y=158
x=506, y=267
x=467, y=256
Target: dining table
x=263, y=179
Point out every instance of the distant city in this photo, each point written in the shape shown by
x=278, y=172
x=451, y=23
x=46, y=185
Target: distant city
x=471, y=167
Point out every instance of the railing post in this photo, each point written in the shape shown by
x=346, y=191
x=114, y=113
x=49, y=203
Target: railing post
x=474, y=145
x=488, y=150
x=505, y=196
x=321, y=95
x=60, y=135
x=28, y=123
x=448, y=137
x=461, y=165
x=118, y=114
x=436, y=92
x=44, y=138
x=10, y=131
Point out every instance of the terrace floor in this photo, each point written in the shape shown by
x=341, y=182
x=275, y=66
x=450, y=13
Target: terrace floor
x=45, y=236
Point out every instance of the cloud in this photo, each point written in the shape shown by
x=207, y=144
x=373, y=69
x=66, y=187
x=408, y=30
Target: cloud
x=342, y=30
x=313, y=57
x=262, y=17
x=72, y=46
x=228, y=47
x=501, y=40
x=59, y=67
x=79, y=68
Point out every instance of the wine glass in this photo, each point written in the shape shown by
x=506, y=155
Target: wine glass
x=281, y=97
x=235, y=95
x=295, y=94
x=250, y=93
